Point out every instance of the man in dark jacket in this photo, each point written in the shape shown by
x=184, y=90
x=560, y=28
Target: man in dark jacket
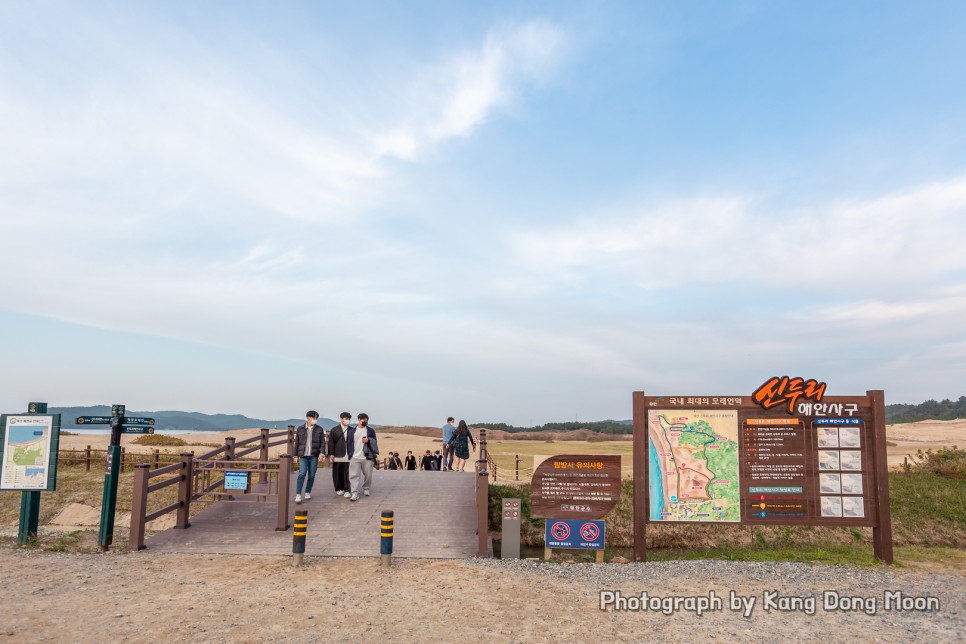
x=309, y=445
x=338, y=455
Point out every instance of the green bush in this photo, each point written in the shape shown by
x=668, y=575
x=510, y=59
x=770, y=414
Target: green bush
x=159, y=440
x=949, y=462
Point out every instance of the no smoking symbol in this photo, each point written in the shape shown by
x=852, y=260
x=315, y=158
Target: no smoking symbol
x=589, y=531
x=560, y=531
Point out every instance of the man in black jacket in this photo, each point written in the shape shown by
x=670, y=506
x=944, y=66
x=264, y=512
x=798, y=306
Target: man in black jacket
x=309, y=445
x=338, y=456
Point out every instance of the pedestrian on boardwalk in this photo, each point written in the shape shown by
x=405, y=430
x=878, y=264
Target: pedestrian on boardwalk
x=461, y=442
x=439, y=460
x=309, y=445
x=428, y=463
x=363, y=450
x=410, y=461
x=448, y=432
x=399, y=463
x=338, y=455
x=391, y=462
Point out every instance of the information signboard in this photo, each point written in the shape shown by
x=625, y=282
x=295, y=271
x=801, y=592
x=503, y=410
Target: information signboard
x=236, y=480
x=28, y=451
x=576, y=486
x=568, y=533
x=810, y=460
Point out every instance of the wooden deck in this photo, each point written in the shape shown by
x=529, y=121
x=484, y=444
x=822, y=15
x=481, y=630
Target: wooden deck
x=435, y=518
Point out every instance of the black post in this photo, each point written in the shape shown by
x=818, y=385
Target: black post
x=109, y=498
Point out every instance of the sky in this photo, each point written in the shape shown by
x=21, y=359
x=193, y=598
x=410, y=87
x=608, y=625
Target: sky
x=513, y=212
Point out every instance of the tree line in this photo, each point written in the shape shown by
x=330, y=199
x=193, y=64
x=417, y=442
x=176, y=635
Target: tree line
x=896, y=413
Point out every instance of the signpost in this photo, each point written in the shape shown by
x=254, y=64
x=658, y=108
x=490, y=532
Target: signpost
x=570, y=491
x=580, y=534
x=28, y=461
x=786, y=455
x=120, y=424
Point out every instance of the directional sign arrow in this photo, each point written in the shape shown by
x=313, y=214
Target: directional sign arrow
x=93, y=420
x=136, y=420
x=137, y=430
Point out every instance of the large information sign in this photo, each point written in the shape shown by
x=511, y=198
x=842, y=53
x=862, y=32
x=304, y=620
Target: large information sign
x=28, y=451
x=576, y=486
x=763, y=459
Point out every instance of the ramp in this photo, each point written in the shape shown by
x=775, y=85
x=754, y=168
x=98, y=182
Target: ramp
x=435, y=518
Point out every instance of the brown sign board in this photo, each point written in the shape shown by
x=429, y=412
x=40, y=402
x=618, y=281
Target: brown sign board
x=576, y=486
x=731, y=460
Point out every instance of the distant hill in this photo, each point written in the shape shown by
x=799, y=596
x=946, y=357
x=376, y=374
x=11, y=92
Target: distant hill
x=192, y=420
x=929, y=410
x=597, y=426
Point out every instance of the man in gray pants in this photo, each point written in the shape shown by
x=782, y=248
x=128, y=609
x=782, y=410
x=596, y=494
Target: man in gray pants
x=362, y=450
x=448, y=433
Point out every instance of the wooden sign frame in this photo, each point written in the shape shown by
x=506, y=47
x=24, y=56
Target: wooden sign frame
x=784, y=457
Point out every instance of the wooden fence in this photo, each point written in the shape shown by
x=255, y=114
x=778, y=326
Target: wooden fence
x=200, y=477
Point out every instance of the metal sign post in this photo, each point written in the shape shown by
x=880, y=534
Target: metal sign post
x=109, y=498
x=512, y=515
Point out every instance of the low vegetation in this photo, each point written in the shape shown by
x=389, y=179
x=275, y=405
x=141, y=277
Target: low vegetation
x=158, y=440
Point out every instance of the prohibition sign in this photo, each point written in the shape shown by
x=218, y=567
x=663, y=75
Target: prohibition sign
x=560, y=530
x=589, y=531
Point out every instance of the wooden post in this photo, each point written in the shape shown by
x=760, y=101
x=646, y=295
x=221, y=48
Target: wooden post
x=263, y=455
x=139, y=506
x=230, y=444
x=157, y=458
x=599, y=558
x=882, y=527
x=640, y=476
x=290, y=448
x=185, y=489
x=516, y=457
x=482, y=500
x=284, y=482
x=87, y=455
x=122, y=458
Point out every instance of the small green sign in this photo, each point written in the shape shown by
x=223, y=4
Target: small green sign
x=137, y=420
x=93, y=420
x=137, y=430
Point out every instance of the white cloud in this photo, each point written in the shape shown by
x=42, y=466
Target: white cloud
x=456, y=97
x=902, y=238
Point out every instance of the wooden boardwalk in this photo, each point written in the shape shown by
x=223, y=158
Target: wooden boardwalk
x=435, y=517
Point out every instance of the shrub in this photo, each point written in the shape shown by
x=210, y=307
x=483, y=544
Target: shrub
x=159, y=440
x=949, y=462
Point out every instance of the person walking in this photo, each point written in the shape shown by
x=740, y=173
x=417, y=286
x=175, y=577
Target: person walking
x=338, y=456
x=448, y=432
x=461, y=447
x=399, y=463
x=308, y=446
x=362, y=449
x=428, y=463
x=410, y=461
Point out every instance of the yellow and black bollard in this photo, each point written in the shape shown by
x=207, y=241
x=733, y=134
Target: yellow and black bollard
x=385, y=532
x=298, y=536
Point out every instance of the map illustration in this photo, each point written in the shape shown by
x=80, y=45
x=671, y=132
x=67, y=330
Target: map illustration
x=26, y=453
x=693, y=467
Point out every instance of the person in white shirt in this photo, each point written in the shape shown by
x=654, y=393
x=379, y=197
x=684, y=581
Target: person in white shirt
x=362, y=450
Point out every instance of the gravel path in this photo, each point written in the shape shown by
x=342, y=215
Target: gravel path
x=153, y=597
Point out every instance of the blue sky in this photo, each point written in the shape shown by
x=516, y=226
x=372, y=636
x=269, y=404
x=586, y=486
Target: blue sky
x=519, y=212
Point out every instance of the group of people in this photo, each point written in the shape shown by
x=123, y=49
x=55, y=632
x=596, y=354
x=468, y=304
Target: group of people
x=353, y=452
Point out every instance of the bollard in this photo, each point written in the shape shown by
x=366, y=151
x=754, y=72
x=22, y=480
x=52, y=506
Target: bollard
x=298, y=536
x=385, y=532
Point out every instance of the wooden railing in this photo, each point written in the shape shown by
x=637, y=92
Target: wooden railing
x=199, y=477
x=483, y=498
x=128, y=459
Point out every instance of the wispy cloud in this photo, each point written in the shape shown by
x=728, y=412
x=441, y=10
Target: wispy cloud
x=455, y=97
x=897, y=239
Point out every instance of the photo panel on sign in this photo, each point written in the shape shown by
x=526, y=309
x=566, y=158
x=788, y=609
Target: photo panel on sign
x=830, y=483
x=853, y=506
x=852, y=484
x=850, y=437
x=850, y=460
x=831, y=506
x=828, y=436
x=828, y=459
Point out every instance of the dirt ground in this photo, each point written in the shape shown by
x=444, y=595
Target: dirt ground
x=143, y=597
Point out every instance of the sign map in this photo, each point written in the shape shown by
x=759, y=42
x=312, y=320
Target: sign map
x=694, y=465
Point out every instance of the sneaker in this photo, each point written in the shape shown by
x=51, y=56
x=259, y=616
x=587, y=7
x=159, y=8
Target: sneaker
x=366, y=492
x=298, y=498
x=353, y=498
x=339, y=492
x=347, y=494
x=307, y=496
